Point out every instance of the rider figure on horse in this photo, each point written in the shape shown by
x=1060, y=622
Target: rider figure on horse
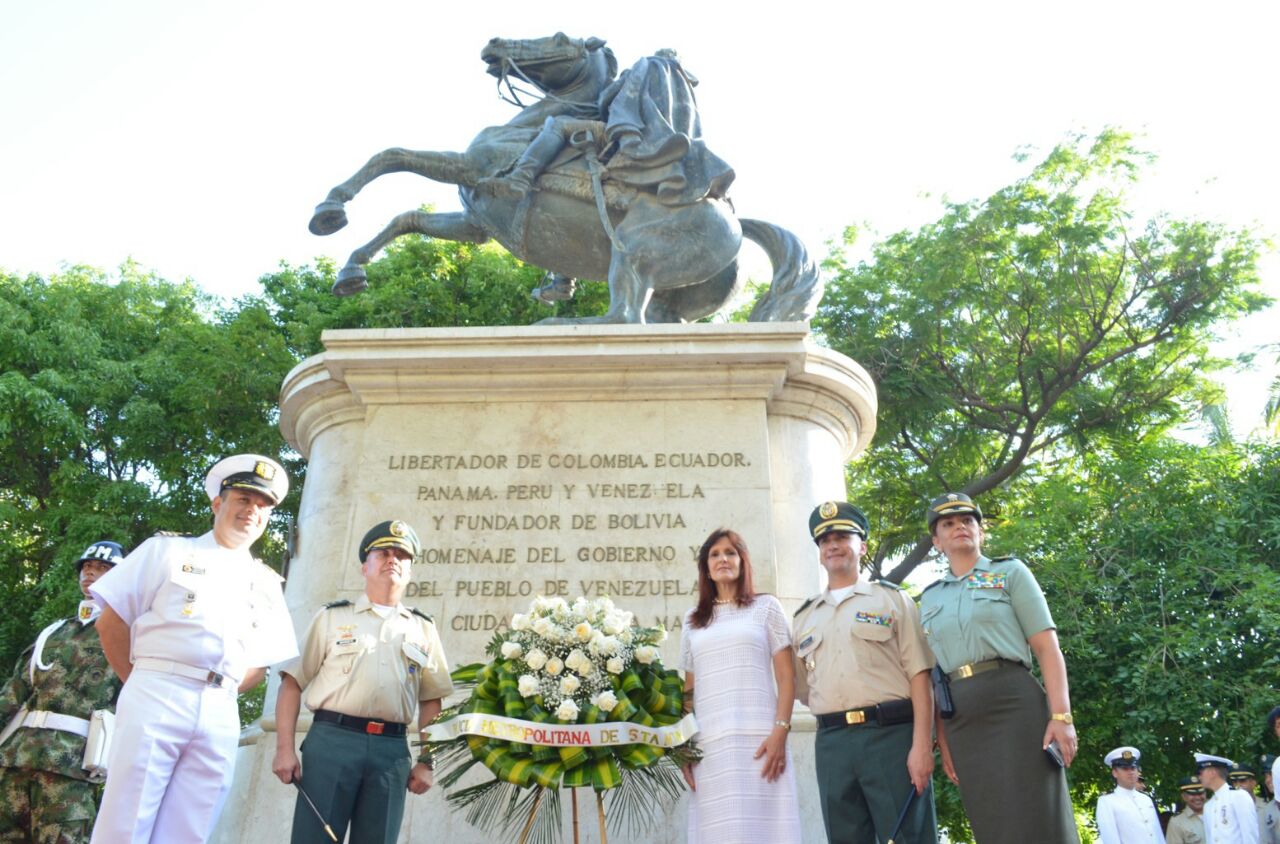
x=649, y=137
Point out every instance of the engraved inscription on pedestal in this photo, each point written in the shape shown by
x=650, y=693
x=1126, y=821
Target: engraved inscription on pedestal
x=617, y=505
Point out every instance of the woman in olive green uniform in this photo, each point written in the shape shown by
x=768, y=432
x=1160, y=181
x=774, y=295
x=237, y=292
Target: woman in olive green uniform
x=983, y=620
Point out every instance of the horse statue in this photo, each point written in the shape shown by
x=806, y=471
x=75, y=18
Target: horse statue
x=604, y=176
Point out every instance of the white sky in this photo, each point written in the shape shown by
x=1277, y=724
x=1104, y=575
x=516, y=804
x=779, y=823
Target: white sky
x=196, y=137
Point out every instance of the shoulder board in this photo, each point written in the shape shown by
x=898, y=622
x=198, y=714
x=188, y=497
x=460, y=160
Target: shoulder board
x=172, y=533
x=805, y=605
x=420, y=614
x=889, y=584
x=334, y=604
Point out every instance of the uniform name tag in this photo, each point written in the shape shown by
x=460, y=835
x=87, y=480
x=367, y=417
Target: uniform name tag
x=987, y=580
x=415, y=653
x=350, y=641
x=190, y=569
x=873, y=618
x=805, y=643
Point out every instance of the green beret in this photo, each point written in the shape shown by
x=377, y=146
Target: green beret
x=392, y=534
x=837, y=515
x=952, y=504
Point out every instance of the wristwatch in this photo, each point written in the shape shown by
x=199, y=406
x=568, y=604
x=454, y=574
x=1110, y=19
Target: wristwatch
x=1064, y=717
x=786, y=725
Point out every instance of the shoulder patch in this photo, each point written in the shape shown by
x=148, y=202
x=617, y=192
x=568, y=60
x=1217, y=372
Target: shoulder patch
x=335, y=604
x=805, y=605
x=420, y=614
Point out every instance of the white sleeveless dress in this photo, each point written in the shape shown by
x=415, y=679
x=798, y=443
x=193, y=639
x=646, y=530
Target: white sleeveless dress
x=736, y=703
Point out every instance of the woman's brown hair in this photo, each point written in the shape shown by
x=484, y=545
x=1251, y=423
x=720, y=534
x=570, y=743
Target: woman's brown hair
x=706, y=587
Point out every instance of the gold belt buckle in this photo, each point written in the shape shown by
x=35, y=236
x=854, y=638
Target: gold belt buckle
x=964, y=671
x=855, y=716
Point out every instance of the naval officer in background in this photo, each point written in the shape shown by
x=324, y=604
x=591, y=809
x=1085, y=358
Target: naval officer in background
x=187, y=623
x=1127, y=815
x=1229, y=815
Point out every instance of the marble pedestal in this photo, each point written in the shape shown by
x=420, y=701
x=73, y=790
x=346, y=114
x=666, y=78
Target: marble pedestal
x=557, y=460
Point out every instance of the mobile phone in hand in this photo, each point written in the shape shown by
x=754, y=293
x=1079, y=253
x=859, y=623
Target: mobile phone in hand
x=1054, y=752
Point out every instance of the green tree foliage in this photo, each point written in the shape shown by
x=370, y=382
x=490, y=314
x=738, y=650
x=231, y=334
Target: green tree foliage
x=417, y=282
x=113, y=398
x=1016, y=329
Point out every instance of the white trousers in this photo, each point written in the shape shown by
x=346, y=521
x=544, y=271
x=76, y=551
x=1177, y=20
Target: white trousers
x=172, y=760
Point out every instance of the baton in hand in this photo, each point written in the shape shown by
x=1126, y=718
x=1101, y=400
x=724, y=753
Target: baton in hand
x=328, y=830
x=902, y=816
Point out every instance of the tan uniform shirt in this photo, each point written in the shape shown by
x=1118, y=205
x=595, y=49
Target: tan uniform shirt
x=355, y=662
x=861, y=652
x=1186, y=827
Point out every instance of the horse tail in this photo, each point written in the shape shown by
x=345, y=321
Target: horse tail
x=796, y=287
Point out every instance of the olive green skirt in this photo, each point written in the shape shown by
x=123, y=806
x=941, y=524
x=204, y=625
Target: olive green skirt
x=1012, y=792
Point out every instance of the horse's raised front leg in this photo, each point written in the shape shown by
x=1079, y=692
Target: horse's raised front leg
x=457, y=226
x=448, y=167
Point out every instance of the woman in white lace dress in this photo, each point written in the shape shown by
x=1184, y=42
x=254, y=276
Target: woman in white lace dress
x=735, y=647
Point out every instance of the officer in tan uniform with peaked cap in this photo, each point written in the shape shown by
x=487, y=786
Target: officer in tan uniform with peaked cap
x=1187, y=827
x=862, y=666
x=367, y=669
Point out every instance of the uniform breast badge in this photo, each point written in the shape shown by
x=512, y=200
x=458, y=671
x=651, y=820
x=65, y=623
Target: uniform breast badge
x=190, y=606
x=873, y=618
x=986, y=580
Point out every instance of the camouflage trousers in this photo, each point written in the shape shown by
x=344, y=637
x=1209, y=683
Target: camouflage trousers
x=37, y=807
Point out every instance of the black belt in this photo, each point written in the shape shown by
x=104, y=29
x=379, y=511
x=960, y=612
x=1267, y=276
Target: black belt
x=885, y=714
x=359, y=725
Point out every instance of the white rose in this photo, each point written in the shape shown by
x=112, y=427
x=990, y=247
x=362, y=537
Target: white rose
x=568, y=710
x=575, y=659
x=614, y=665
x=585, y=668
x=569, y=684
x=646, y=654
x=540, y=604
x=528, y=685
x=555, y=665
x=583, y=632
x=511, y=650
x=607, y=701
x=519, y=621
x=543, y=627
x=662, y=634
x=535, y=659
x=609, y=645
x=626, y=637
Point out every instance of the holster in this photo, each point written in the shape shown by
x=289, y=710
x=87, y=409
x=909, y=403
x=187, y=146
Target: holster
x=942, y=693
x=97, y=746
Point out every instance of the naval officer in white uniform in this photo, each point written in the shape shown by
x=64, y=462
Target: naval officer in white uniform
x=187, y=623
x=1127, y=815
x=1229, y=815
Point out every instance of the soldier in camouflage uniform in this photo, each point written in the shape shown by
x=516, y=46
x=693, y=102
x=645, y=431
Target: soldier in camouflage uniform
x=45, y=795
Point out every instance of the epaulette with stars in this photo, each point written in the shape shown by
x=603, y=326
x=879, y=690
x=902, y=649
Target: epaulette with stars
x=805, y=605
x=420, y=614
x=339, y=603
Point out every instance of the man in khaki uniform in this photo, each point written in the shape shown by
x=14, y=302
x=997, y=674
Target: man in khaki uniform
x=368, y=668
x=1244, y=778
x=862, y=666
x=1187, y=827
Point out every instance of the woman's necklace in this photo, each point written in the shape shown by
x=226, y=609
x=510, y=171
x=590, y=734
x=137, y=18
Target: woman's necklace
x=722, y=600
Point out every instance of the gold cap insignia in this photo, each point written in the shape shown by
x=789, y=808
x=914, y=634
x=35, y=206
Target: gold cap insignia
x=1126, y=755
x=398, y=528
x=951, y=496
x=264, y=470
x=828, y=509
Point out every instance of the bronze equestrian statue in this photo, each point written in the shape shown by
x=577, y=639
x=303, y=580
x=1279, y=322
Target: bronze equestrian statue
x=604, y=176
